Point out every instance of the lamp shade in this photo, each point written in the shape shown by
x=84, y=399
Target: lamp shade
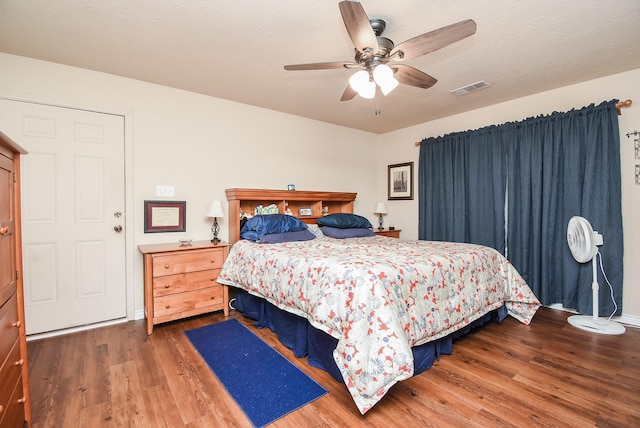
x=359, y=80
x=361, y=83
x=214, y=209
x=383, y=76
x=381, y=208
x=368, y=91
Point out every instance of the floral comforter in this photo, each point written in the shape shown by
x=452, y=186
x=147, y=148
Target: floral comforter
x=379, y=296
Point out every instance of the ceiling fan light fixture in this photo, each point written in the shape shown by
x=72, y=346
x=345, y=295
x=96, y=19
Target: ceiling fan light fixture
x=359, y=80
x=382, y=73
x=383, y=76
x=389, y=86
x=360, y=83
x=368, y=91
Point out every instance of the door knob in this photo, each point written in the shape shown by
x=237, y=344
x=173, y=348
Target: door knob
x=117, y=228
x=117, y=214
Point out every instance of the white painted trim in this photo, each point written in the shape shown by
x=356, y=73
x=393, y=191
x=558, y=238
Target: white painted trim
x=75, y=329
x=139, y=315
x=129, y=237
x=630, y=320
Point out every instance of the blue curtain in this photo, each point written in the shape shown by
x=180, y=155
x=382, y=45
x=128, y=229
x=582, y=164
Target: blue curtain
x=549, y=169
x=462, y=185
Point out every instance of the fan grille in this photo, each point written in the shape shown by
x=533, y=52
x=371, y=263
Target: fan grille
x=580, y=237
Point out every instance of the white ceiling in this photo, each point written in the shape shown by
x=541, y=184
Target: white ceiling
x=236, y=49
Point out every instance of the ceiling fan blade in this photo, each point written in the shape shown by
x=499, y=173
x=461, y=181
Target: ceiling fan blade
x=348, y=93
x=412, y=76
x=436, y=39
x=358, y=26
x=320, y=66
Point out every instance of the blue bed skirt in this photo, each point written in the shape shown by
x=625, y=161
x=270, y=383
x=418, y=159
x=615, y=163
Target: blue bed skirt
x=304, y=340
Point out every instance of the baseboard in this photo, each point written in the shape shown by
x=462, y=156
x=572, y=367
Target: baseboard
x=74, y=329
x=138, y=315
x=630, y=320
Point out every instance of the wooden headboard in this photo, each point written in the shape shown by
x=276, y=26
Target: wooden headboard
x=246, y=200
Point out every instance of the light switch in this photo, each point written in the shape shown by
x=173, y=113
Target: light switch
x=163, y=191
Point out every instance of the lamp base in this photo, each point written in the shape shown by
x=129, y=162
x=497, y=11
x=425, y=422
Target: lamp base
x=597, y=325
x=215, y=229
x=380, y=220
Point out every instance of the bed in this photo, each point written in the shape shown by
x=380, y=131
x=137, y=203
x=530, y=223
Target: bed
x=371, y=310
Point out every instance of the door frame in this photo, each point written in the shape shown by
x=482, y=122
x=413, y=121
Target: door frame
x=129, y=243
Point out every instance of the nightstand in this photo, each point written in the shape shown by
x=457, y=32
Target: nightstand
x=390, y=233
x=180, y=280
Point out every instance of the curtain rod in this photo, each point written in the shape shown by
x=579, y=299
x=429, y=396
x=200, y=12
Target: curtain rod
x=625, y=103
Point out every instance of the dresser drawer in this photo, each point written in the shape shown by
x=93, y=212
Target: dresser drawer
x=13, y=415
x=192, y=261
x=8, y=328
x=206, y=299
x=172, y=284
x=9, y=374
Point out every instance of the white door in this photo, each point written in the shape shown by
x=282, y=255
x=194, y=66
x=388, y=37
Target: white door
x=72, y=214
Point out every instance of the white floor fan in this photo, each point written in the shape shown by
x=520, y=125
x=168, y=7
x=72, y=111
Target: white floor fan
x=583, y=243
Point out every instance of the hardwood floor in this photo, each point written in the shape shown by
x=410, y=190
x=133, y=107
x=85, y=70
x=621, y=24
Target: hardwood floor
x=507, y=375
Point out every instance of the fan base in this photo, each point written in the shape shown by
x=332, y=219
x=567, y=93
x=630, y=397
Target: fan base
x=597, y=325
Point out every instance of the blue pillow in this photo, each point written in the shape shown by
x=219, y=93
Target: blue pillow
x=261, y=225
x=336, y=232
x=277, y=238
x=344, y=221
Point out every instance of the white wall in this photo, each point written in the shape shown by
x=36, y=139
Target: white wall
x=399, y=147
x=201, y=145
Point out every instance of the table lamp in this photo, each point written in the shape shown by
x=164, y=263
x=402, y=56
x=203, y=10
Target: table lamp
x=214, y=210
x=381, y=208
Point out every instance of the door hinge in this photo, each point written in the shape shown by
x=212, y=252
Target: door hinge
x=15, y=177
x=17, y=275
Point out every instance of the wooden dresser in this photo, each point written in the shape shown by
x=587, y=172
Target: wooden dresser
x=180, y=280
x=14, y=376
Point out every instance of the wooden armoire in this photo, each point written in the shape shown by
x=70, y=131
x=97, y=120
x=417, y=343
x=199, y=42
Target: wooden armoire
x=15, y=410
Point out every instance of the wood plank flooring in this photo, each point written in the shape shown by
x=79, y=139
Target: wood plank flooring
x=547, y=374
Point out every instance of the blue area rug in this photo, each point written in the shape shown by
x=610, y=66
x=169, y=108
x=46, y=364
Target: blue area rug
x=263, y=383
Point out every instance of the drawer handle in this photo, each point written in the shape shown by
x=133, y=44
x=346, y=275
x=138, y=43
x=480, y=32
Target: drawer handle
x=167, y=306
x=22, y=400
x=167, y=286
x=19, y=362
x=16, y=324
x=166, y=266
x=213, y=260
x=4, y=230
x=1, y=408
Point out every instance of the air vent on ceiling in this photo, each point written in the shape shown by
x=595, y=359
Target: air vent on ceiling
x=471, y=88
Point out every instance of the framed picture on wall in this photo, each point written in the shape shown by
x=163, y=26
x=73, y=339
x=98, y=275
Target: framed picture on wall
x=165, y=216
x=400, y=181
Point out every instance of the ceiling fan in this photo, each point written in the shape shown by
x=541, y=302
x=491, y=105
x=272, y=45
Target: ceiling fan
x=379, y=60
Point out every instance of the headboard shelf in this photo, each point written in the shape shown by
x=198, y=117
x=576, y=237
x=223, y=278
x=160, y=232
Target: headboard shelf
x=299, y=202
